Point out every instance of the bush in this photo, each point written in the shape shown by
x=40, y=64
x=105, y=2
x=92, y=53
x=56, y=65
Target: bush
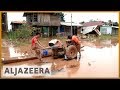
x=23, y=32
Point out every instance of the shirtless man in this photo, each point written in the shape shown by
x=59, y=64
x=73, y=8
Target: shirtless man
x=57, y=46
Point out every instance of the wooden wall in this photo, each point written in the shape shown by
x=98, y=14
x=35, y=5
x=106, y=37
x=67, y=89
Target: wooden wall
x=45, y=19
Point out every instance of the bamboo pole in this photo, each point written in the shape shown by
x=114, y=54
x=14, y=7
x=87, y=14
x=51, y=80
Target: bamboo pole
x=17, y=60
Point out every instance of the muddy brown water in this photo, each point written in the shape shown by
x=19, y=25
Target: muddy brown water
x=99, y=59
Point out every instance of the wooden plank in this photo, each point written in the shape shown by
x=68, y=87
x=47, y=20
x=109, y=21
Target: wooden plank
x=17, y=60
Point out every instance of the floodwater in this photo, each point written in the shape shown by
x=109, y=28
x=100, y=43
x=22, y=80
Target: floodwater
x=99, y=59
x=11, y=52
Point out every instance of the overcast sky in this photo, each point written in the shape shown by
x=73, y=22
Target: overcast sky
x=76, y=16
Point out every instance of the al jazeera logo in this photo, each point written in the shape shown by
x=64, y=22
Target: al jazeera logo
x=26, y=71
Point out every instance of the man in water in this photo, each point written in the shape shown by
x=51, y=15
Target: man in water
x=57, y=47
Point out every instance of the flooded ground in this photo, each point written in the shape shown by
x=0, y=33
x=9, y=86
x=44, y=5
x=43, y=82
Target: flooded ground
x=99, y=59
x=11, y=52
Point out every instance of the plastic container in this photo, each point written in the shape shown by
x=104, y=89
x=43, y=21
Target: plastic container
x=46, y=52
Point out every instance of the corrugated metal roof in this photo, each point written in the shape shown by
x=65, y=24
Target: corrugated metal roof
x=47, y=12
x=93, y=23
x=69, y=24
x=88, y=29
x=18, y=22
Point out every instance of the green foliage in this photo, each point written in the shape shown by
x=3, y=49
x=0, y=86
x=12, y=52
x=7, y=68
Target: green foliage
x=20, y=36
x=61, y=15
x=106, y=37
x=23, y=32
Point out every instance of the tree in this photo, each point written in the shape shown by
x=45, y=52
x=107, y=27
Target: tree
x=82, y=22
x=23, y=32
x=109, y=22
x=91, y=20
x=61, y=15
x=115, y=24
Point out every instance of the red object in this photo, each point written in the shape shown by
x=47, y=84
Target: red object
x=34, y=39
x=75, y=39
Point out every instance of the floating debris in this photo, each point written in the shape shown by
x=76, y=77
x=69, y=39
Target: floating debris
x=89, y=63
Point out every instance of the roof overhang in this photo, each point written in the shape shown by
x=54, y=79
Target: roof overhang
x=69, y=24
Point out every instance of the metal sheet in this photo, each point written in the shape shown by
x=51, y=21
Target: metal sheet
x=88, y=29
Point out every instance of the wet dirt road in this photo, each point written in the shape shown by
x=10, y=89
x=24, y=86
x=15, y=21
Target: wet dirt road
x=99, y=59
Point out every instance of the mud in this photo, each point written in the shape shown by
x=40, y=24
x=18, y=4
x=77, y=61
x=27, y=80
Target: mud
x=99, y=59
x=9, y=51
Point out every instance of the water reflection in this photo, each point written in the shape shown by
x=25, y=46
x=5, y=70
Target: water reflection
x=96, y=62
x=68, y=68
x=101, y=43
x=15, y=52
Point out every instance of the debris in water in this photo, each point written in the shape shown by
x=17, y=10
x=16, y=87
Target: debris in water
x=89, y=64
x=82, y=50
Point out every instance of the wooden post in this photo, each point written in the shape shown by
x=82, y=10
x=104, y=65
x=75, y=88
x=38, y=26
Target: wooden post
x=58, y=29
x=48, y=31
x=74, y=30
x=71, y=25
x=42, y=31
x=52, y=32
x=64, y=31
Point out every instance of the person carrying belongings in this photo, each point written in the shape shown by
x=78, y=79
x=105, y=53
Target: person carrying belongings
x=37, y=46
x=57, y=48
